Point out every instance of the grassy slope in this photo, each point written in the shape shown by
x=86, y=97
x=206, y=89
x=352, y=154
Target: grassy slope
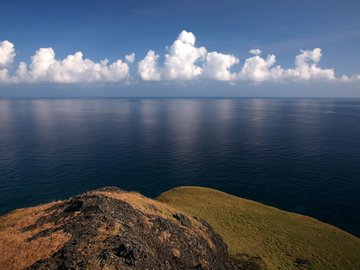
x=279, y=238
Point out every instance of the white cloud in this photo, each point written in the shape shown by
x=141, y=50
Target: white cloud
x=306, y=67
x=183, y=61
x=217, y=66
x=21, y=75
x=130, y=58
x=75, y=69
x=4, y=76
x=148, y=68
x=44, y=67
x=7, y=53
x=255, y=51
x=41, y=62
x=352, y=78
x=260, y=69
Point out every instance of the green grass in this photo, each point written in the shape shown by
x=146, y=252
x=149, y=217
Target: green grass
x=281, y=240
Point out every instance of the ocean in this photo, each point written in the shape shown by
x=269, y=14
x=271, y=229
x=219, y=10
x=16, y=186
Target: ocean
x=300, y=155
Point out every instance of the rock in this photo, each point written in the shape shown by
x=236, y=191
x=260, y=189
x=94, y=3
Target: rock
x=113, y=229
x=182, y=218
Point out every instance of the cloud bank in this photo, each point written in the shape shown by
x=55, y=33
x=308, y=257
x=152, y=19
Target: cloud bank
x=45, y=68
x=183, y=61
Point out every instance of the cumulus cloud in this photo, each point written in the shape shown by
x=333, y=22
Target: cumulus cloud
x=45, y=68
x=7, y=53
x=255, y=51
x=41, y=62
x=218, y=65
x=260, y=69
x=4, y=75
x=306, y=67
x=181, y=61
x=353, y=78
x=130, y=58
x=74, y=68
x=148, y=67
x=184, y=60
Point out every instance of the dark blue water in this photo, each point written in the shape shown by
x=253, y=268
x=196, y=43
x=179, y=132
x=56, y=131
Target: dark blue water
x=301, y=155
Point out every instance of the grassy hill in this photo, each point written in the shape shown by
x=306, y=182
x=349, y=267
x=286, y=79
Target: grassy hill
x=266, y=236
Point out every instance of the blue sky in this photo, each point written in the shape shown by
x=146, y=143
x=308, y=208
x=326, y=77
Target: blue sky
x=110, y=29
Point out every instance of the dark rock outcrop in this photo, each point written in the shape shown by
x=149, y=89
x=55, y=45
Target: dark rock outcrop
x=113, y=229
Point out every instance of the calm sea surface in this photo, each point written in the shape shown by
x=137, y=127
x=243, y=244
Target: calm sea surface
x=301, y=155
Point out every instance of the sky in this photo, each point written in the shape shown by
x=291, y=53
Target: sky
x=213, y=48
